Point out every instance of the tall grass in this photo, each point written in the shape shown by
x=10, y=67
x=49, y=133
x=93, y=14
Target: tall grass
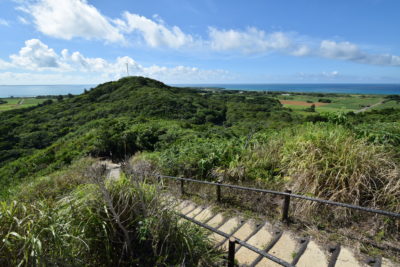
x=326, y=161
x=100, y=223
x=329, y=162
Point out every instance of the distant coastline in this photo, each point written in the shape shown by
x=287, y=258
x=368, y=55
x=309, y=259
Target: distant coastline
x=35, y=90
x=367, y=89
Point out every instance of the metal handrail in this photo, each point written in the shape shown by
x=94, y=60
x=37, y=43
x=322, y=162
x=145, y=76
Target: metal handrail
x=238, y=241
x=329, y=202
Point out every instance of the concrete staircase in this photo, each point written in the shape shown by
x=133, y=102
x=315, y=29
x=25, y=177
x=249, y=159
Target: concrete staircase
x=299, y=251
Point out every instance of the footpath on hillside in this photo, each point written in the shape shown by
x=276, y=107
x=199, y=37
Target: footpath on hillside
x=269, y=237
x=369, y=107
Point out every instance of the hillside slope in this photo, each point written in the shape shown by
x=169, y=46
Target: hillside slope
x=55, y=133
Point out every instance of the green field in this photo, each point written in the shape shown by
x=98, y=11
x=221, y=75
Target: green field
x=16, y=102
x=344, y=103
x=388, y=104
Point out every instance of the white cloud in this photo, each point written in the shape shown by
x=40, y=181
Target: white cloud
x=4, y=22
x=255, y=41
x=44, y=63
x=68, y=19
x=72, y=18
x=35, y=56
x=4, y=65
x=155, y=34
x=30, y=78
x=343, y=50
x=250, y=41
x=351, y=52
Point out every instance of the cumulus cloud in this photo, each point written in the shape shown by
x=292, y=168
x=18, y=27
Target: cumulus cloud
x=68, y=19
x=72, y=18
x=351, y=52
x=255, y=41
x=38, y=58
x=250, y=41
x=155, y=34
x=4, y=65
x=35, y=55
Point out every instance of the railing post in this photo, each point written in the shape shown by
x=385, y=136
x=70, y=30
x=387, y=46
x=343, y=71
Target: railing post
x=218, y=191
x=231, y=252
x=285, y=208
x=182, y=188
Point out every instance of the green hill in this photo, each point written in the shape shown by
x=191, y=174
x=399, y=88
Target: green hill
x=119, y=118
x=52, y=198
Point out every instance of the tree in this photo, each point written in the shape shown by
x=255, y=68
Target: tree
x=311, y=108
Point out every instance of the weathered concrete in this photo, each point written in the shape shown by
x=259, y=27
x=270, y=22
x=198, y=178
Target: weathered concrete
x=242, y=233
x=189, y=207
x=228, y=227
x=194, y=212
x=313, y=256
x=204, y=215
x=259, y=240
x=284, y=249
x=216, y=220
x=347, y=259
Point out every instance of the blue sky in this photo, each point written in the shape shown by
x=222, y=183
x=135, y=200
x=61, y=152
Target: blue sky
x=208, y=41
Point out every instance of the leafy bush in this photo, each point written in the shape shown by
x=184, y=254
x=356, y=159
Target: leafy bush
x=197, y=157
x=324, y=100
x=387, y=133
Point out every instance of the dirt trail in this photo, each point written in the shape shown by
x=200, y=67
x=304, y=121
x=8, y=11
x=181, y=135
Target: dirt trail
x=113, y=169
x=369, y=107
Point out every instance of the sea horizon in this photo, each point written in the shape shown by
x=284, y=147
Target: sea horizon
x=338, y=88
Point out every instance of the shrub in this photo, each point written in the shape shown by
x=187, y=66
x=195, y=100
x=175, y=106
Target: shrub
x=324, y=100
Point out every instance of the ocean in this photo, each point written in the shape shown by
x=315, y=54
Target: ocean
x=35, y=90
x=385, y=89
x=381, y=89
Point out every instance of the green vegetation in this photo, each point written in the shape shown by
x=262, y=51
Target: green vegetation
x=332, y=102
x=237, y=137
x=16, y=103
x=78, y=219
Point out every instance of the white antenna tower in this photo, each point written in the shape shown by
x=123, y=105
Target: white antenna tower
x=127, y=68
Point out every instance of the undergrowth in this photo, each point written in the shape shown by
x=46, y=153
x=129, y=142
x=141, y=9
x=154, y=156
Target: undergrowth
x=98, y=223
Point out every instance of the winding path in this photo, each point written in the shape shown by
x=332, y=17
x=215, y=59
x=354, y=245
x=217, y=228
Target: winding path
x=369, y=107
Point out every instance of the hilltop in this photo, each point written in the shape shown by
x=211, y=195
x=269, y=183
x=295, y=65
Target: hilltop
x=46, y=137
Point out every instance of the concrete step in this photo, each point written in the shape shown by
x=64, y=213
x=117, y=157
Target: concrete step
x=259, y=240
x=188, y=208
x=346, y=259
x=312, y=256
x=244, y=232
x=194, y=212
x=284, y=249
x=205, y=215
x=216, y=220
x=228, y=227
